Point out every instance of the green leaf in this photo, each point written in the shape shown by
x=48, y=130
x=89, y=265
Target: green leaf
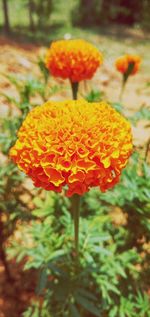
x=94, y=96
x=117, y=106
x=88, y=305
x=87, y=294
x=101, y=250
x=42, y=281
x=98, y=239
x=73, y=310
x=43, y=69
x=113, y=311
x=43, y=212
x=38, y=202
x=56, y=270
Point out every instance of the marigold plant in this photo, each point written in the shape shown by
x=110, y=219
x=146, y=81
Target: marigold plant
x=124, y=62
x=73, y=59
x=74, y=144
x=127, y=65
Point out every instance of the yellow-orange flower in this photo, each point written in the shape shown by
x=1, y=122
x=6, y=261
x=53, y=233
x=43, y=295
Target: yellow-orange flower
x=73, y=143
x=73, y=59
x=123, y=62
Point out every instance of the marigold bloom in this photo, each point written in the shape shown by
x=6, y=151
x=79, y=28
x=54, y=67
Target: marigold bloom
x=73, y=143
x=73, y=59
x=123, y=62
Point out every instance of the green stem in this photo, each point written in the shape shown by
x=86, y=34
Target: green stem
x=125, y=78
x=147, y=150
x=122, y=88
x=75, y=209
x=74, y=87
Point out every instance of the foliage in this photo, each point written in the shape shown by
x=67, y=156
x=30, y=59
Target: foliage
x=117, y=106
x=12, y=206
x=142, y=114
x=38, y=12
x=43, y=10
x=105, y=260
x=98, y=12
x=109, y=253
x=132, y=194
x=35, y=15
x=94, y=96
x=97, y=96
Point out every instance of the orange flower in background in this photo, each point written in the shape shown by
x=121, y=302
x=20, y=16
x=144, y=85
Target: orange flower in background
x=124, y=62
x=73, y=59
x=74, y=144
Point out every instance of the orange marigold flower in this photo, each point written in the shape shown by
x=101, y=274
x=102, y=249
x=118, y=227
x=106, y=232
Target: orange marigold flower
x=74, y=144
x=73, y=59
x=123, y=62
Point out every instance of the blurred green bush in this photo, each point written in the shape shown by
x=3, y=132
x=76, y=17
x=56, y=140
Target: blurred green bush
x=101, y=12
x=34, y=15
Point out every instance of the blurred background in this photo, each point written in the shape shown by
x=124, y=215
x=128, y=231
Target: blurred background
x=113, y=277
x=24, y=17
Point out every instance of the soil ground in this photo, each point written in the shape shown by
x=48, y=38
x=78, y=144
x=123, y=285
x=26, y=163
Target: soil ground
x=16, y=295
